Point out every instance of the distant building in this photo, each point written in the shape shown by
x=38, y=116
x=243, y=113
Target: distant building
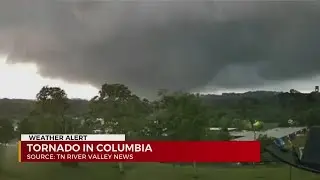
x=275, y=133
x=219, y=129
x=97, y=131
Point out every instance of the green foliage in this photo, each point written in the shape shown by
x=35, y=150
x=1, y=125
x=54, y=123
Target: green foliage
x=173, y=116
x=185, y=116
x=25, y=126
x=225, y=109
x=311, y=117
x=265, y=141
x=52, y=100
x=48, y=114
x=218, y=135
x=6, y=131
x=121, y=111
x=6, y=135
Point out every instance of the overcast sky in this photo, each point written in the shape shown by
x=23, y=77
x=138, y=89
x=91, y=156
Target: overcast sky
x=23, y=82
x=198, y=46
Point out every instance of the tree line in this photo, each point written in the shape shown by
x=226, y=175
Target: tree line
x=173, y=116
x=115, y=109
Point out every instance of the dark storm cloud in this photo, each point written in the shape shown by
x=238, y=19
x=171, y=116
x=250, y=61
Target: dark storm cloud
x=153, y=44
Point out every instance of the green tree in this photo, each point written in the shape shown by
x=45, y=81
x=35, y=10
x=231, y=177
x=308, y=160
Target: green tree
x=49, y=115
x=156, y=126
x=220, y=135
x=185, y=113
x=121, y=111
x=6, y=131
x=6, y=135
x=311, y=117
x=264, y=142
x=187, y=117
x=246, y=107
x=26, y=126
x=52, y=104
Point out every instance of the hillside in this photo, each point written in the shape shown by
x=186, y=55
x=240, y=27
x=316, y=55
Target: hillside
x=269, y=107
x=19, y=108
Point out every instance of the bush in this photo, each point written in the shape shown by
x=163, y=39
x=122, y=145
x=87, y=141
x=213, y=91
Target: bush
x=2, y=159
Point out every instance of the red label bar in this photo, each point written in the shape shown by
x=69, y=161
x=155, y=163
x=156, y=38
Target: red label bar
x=139, y=151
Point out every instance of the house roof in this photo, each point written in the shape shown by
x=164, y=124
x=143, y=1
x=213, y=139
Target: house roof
x=241, y=133
x=275, y=133
x=219, y=128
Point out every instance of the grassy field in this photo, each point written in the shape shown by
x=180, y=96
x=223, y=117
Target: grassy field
x=141, y=171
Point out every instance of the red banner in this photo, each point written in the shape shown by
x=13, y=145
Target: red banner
x=139, y=151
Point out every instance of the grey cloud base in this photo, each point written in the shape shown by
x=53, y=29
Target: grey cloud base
x=151, y=44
